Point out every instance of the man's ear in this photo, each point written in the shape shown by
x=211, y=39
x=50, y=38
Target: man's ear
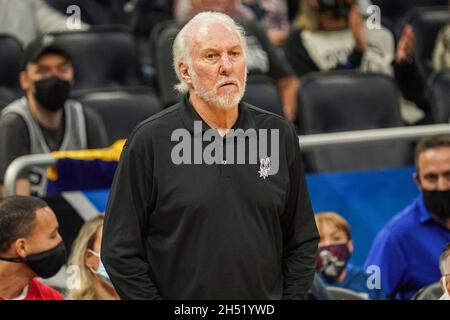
x=184, y=72
x=20, y=246
x=25, y=82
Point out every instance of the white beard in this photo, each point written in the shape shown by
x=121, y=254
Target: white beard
x=212, y=98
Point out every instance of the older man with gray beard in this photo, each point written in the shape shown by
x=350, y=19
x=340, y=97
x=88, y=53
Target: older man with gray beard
x=201, y=229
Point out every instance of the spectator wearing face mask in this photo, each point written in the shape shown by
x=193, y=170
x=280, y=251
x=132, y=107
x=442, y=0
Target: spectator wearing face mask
x=407, y=249
x=30, y=247
x=335, y=250
x=94, y=283
x=45, y=120
x=444, y=264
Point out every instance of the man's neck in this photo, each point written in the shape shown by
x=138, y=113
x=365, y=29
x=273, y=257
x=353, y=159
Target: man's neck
x=217, y=118
x=48, y=119
x=13, y=279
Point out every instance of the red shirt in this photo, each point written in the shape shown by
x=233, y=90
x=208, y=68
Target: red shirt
x=39, y=291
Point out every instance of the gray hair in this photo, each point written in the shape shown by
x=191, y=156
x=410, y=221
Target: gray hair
x=181, y=43
x=443, y=260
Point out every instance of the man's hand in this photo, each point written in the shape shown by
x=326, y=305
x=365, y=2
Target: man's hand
x=356, y=25
x=406, y=45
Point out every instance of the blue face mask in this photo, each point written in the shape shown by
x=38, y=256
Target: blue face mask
x=101, y=271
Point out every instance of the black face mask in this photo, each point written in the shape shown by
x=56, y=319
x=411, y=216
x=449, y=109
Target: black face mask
x=51, y=93
x=339, y=8
x=438, y=202
x=45, y=264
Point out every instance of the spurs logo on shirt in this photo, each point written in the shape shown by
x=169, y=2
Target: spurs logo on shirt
x=264, y=168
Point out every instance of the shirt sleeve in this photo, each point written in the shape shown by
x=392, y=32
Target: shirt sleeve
x=301, y=61
x=40, y=291
x=125, y=227
x=95, y=129
x=386, y=253
x=15, y=142
x=411, y=82
x=300, y=235
x=297, y=55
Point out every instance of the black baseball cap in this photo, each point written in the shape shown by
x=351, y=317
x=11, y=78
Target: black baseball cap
x=40, y=46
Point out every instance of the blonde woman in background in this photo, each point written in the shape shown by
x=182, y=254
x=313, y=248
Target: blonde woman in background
x=94, y=281
x=441, y=53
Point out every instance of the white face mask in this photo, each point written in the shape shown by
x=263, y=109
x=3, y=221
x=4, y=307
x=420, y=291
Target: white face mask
x=446, y=295
x=101, y=268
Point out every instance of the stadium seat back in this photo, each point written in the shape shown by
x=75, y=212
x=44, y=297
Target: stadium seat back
x=103, y=58
x=121, y=111
x=348, y=101
x=10, y=63
x=155, y=33
x=262, y=92
x=395, y=10
x=163, y=60
x=440, y=91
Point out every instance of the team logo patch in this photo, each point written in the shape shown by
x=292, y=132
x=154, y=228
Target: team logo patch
x=264, y=168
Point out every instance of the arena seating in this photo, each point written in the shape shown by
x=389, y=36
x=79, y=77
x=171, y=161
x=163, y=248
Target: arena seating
x=10, y=63
x=121, y=111
x=426, y=23
x=103, y=57
x=395, y=11
x=346, y=101
x=440, y=103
